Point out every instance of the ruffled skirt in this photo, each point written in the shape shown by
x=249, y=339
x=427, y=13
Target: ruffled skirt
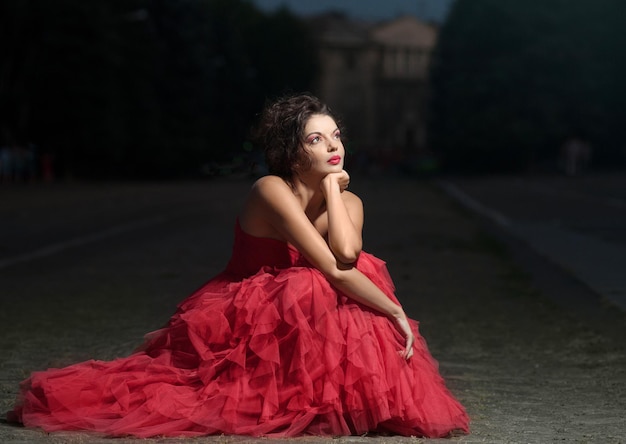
x=280, y=353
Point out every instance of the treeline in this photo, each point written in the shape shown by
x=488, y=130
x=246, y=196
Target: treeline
x=514, y=80
x=143, y=88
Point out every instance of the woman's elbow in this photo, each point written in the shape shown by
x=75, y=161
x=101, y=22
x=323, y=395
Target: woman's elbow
x=347, y=254
x=348, y=258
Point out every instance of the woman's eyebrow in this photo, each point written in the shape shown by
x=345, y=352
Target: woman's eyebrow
x=320, y=133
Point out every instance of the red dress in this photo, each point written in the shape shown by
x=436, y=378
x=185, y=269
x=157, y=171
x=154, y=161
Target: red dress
x=267, y=347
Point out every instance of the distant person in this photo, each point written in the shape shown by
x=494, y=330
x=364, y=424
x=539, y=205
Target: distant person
x=6, y=164
x=300, y=334
x=47, y=167
x=24, y=162
x=575, y=156
x=30, y=162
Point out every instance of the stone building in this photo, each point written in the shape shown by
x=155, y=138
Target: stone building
x=375, y=77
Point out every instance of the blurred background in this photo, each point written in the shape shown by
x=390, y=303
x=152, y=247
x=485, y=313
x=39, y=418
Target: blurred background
x=168, y=89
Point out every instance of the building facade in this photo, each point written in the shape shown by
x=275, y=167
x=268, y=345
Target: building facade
x=375, y=77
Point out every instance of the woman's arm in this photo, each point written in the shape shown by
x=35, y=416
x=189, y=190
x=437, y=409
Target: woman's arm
x=345, y=218
x=272, y=200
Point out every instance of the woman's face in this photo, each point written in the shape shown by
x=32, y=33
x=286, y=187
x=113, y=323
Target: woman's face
x=322, y=144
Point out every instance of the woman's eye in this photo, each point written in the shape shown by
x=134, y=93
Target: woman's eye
x=315, y=139
x=337, y=135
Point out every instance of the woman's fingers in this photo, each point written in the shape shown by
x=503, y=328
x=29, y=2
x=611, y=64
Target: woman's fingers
x=402, y=324
x=409, y=347
x=344, y=180
x=341, y=179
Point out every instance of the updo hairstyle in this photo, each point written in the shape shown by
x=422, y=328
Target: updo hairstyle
x=280, y=133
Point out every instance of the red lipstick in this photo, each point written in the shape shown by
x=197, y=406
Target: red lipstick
x=334, y=160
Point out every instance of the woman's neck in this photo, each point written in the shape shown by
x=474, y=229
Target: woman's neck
x=309, y=193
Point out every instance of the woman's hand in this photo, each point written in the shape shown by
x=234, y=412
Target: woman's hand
x=401, y=323
x=341, y=179
x=345, y=217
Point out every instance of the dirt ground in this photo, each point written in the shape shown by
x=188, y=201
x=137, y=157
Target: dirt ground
x=527, y=369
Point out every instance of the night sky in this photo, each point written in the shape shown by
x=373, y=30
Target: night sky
x=434, y=10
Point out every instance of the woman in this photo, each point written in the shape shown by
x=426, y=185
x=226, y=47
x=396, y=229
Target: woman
x=301, y=334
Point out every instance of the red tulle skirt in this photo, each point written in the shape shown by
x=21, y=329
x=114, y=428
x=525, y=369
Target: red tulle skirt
x=280, y=353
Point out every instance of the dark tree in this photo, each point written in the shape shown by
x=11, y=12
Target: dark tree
x=143, y=88
x=512, y=80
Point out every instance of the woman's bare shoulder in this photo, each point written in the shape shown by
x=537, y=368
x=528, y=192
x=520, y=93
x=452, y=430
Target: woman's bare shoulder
x=351, y=199
x=270, y=193
x=269, y=186
x=266, y=199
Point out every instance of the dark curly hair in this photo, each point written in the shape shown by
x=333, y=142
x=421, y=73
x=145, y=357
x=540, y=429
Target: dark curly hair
x=280, y=132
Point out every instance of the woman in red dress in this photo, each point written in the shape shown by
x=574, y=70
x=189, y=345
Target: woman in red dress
x=300, y=334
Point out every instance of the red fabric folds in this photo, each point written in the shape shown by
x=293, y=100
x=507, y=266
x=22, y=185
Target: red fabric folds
x=266, y=348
